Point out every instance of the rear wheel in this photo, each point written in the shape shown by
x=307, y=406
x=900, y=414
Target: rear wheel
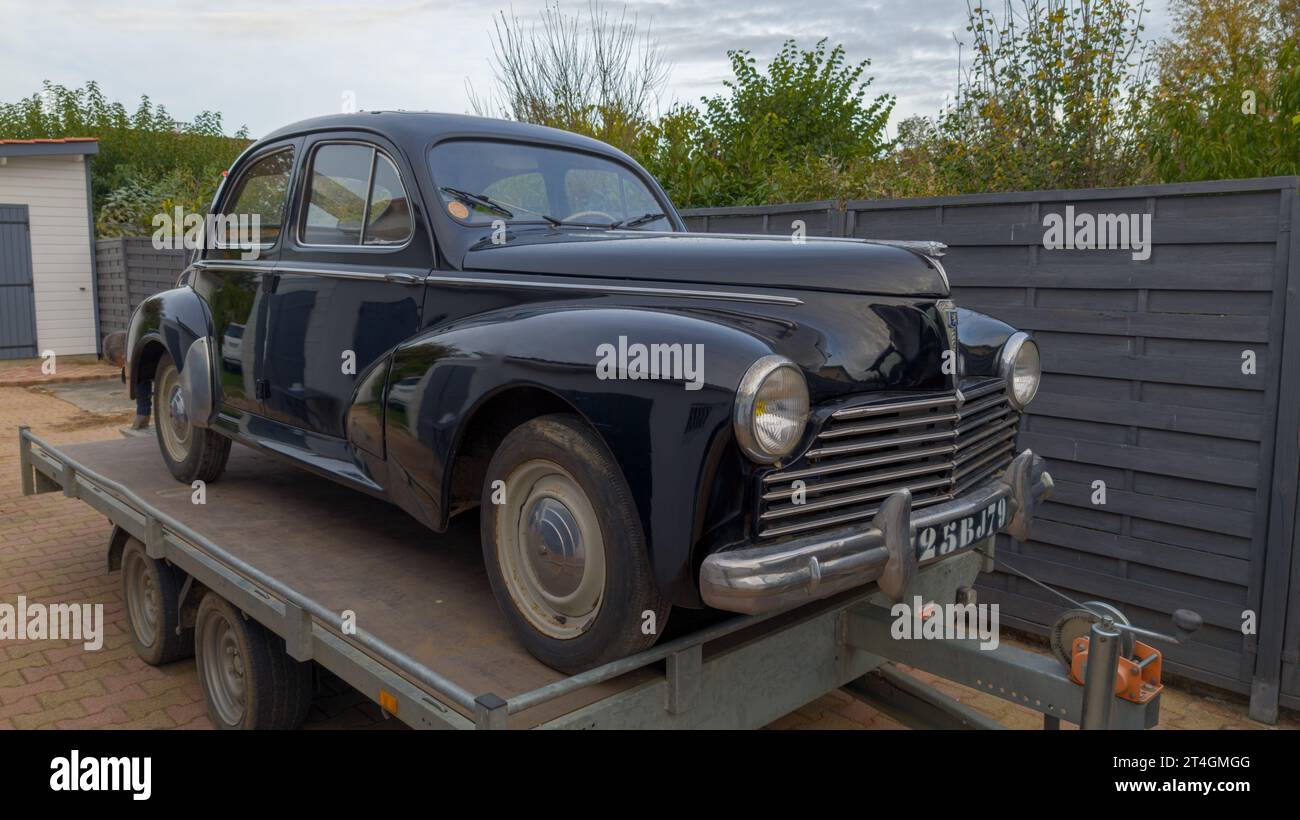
x=249, y=681
x=564, y=548
x=151, y=592
x=192, y=453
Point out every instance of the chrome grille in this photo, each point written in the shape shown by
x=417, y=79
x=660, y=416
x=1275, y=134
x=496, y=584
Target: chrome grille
x=933, y=445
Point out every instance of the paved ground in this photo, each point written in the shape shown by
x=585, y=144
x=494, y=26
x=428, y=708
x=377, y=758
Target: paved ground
x=24, y=372
x=52, y=550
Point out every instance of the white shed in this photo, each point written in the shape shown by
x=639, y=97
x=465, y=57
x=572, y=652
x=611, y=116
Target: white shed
x=47, y=259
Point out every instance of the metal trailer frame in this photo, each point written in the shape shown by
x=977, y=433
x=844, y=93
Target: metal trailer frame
x=741, y=673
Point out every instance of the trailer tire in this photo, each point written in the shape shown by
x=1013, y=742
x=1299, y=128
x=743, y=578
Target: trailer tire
x=248, y=679
x=589, y=597
x=192, y=453
x=151, y=595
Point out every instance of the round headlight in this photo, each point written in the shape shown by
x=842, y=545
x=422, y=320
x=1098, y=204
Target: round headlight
x=1022, y=369
x=771, y=409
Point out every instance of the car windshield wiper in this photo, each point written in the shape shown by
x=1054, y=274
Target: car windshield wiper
x=481, y=200
x=633, y=221
x=497, y=207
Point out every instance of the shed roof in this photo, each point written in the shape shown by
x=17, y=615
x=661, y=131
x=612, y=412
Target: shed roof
x=49, y=147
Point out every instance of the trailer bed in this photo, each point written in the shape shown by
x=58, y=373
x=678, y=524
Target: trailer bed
x=295, y=551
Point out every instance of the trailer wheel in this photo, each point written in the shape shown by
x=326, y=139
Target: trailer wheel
x=249, y=681
x=192, y=453
x=564, y=549
x=151, y=592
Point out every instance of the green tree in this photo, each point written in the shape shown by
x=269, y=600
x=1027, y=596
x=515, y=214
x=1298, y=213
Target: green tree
x=754, y=144
x=1228, y=101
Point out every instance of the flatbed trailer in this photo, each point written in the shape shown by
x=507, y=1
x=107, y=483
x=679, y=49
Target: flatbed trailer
x=296, y=553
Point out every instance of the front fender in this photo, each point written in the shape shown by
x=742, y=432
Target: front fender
x=178, y=322
x=668, y=440
x=980, y=338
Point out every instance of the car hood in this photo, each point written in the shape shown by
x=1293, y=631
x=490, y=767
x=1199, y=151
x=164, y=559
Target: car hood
x=837, y=265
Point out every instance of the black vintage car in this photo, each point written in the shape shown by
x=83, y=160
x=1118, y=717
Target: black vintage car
x=454, y=313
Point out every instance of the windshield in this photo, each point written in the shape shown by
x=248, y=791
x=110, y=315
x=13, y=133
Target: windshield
x=480, y=181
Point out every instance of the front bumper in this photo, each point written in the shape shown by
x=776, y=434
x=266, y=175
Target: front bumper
x=769, y=578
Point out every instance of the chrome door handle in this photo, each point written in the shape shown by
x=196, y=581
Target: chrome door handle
x=403, y=278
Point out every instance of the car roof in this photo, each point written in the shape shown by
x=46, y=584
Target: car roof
x=415, y=129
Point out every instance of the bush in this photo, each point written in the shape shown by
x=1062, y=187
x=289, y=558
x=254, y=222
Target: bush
x=807, y=114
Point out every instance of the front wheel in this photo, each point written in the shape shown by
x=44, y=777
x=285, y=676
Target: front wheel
x=564, y=548
x=192, y=453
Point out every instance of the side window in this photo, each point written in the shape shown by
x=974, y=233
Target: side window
x=255, y=209
x=390, y=218
x=354, y=197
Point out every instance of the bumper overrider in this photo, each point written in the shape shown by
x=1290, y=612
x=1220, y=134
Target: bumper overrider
x=764, y=579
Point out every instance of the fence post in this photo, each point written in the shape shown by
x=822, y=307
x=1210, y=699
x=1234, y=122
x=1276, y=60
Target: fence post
x=1280, y=545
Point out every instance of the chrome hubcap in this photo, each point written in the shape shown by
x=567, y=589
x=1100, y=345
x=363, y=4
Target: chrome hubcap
x=551, y=549
x=176, y=405
x=173, y=419
x=554, y=548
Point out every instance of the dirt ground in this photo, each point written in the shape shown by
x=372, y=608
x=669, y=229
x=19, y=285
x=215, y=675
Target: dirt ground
x=52, y=548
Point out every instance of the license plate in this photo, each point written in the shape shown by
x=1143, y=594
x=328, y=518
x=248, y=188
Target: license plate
x=958, y=534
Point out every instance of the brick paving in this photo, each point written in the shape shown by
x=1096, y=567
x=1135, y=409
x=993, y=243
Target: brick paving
x=27, y=372
x=52, y=550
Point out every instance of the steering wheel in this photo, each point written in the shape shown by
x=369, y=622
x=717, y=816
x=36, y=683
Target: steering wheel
x=610, y=218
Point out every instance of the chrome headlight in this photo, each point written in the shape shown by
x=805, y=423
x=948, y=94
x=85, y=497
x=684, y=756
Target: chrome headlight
x=771, y=409
x=1022, y=368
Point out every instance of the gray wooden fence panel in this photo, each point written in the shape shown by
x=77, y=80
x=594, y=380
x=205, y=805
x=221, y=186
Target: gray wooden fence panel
x=1143, y=389
x=130, y=270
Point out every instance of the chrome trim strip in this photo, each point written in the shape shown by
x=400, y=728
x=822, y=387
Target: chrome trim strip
x=857, y=464
x=877, y=444
x=735, y=296
x=989, y=385
x=863, y=481
x=233, y=265
x=392, y=276
x=893, y=407
x=888, y=425
x=470, y=281
x=777, y=512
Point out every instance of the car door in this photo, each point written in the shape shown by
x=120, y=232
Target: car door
x=234, y=271
x=349, y=281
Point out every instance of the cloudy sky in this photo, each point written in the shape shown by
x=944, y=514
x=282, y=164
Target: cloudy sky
x=264, y=63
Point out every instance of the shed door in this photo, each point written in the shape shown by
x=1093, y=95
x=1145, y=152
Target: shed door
x=17, y=301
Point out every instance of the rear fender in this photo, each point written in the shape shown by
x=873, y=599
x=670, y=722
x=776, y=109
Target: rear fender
x=175, y=321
